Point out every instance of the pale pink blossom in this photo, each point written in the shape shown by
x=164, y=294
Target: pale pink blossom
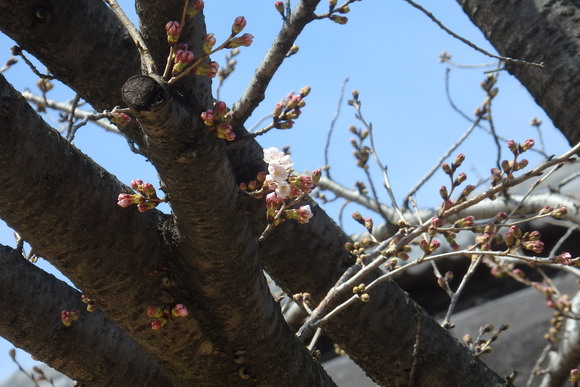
x=305, y=213
x=283, y=189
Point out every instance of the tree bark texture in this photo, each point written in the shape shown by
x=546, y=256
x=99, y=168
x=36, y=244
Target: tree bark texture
x=542, y=31
x=99, y=353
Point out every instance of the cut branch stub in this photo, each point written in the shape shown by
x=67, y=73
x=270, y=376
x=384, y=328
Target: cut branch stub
x=142, y=93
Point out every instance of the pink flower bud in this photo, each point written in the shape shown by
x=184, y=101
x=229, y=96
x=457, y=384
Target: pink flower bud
x=208, y=44
x=157, y=324
x=208, y=69
x=245, y=40
x=173, y=31
x=446, y=168
x=238, y=25
x=458, y=161
x=148, y=190
x=528, y=144
x=208, y=117
x=194, y=7
x=460, y=179
x=182, y=58
x=560, y=212
x=278, y=109
x=126, y=200
x=179, y=310
x=305, y=214
x=152, y=311
x=564, y=258
x=120, y=119
x=279, y=6
x=136, y=184
x=145, y=206
x=511, y=144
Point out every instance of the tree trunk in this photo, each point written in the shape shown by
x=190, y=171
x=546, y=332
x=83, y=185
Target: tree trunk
x=543, y=31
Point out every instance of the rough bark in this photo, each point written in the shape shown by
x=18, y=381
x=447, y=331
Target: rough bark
x=546, y=31
x=100, y=353
x=302, y=257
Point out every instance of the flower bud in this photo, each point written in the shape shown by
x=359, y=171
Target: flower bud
x=173, y=31
x=245, y=40
x=305, y=91
x=208, y=43
x=560, y=212
x=339, y=19
x=194, y=7
x=446, y=168
x=279, y=6
x=238, y=25
x=528, y=144
x=458, y=161
x=443, y=192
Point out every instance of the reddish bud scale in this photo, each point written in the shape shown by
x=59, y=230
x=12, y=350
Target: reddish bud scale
x=279, y=6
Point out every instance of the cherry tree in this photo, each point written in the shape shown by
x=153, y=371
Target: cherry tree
x=181, y=298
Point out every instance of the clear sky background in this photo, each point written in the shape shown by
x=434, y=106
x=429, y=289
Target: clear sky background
x=389, y=51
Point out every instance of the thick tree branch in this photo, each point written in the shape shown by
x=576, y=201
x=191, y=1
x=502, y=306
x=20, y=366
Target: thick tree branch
x=70, y=189
x=101, y=354
x=255, y=92
x=538, y=31
x=218, y=255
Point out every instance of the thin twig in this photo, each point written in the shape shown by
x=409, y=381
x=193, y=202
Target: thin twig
x=98, y=118
x=437, y=165
x=331, y=128
x=145, y=54
x=455, y=295
x=470, y=44
x=70, y=133
x=321, y=314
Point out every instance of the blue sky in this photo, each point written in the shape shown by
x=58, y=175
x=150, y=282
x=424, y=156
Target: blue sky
x=389, y=51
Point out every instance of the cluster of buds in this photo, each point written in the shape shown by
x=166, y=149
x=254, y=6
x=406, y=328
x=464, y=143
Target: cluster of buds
x=90, y=303
x=467, y=222
x=360, y=290
x=146, y=198
x=333, y=12
x=564, y=258
x=181, y=58
x=508, y=167
x=120, y=119
x=285, y=188
x=366, y=222
x=559, y=212
x=287, y=110
x=361, y=152
x=162, y=316
x=245, y=40
x=429, y=247
x=455, y=182
x=68, y=316
x=515, y=238
x=217, y=120
x=480, y=345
